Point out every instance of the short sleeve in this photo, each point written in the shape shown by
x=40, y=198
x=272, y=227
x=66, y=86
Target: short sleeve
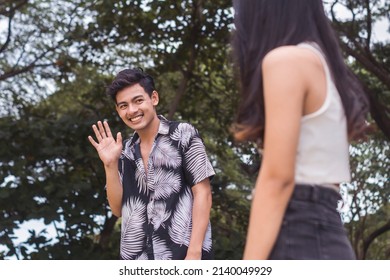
x=196, y=164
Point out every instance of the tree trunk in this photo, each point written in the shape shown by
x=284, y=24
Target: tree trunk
x=193, y=45
x=105, y=234
x=367, y=241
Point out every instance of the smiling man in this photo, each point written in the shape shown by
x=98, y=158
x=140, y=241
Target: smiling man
x=162, y=190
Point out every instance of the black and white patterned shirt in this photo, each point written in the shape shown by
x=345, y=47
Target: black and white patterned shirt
x=157, y=207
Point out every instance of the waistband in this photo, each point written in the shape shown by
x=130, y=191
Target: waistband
x=315, y=193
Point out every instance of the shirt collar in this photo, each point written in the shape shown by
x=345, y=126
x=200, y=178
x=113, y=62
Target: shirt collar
x=162, y=129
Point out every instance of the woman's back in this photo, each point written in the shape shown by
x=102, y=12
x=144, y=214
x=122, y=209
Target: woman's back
x=290, y=105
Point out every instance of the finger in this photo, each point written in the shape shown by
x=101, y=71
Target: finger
x=107, y=128
x=93, y=142
x=119, y=137
x=97, y=133
x=101, y=129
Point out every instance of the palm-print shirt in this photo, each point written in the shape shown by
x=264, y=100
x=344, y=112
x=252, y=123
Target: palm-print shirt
x=157, y=207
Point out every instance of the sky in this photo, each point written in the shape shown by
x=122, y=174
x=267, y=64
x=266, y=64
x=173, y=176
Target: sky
x=381, y=33
x=380, y=29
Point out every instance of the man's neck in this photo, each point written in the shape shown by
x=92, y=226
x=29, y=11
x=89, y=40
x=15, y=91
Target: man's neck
x=148, y=136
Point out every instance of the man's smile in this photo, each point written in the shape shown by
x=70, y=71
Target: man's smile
x=136, y=118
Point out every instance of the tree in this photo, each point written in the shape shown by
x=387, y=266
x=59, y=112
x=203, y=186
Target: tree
x=202, y=80
x=367, y=218
x=187, y=45
x=53, y=175
x=35, y=50
x=357, y=40
x=368, y=215
x=50, y=172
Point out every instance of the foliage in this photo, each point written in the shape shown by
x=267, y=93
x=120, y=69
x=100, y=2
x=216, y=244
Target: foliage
x=53, y=71
x=368, y=216
x=52, y=173
x=359, y=42
x=61, y=179
x=369, y=192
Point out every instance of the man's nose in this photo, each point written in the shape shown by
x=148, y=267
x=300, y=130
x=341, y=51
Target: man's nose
x=131, y=109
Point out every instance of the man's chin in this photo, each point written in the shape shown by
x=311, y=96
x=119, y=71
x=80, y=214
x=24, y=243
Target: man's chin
x=136, y=127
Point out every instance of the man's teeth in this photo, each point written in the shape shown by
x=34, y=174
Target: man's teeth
x=135, y=118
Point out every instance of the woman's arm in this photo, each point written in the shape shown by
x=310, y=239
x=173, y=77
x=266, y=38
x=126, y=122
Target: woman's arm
x=285, y=87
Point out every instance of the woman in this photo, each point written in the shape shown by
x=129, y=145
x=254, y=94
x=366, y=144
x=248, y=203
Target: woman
x=302, y=104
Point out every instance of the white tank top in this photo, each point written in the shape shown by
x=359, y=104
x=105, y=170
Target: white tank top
x=323, y=148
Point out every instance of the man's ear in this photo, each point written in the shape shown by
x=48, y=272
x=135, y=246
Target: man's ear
x=155, y=98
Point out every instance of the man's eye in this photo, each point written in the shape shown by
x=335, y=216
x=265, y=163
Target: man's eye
x=122, y=107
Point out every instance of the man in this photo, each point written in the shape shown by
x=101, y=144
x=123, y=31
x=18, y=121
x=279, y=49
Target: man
x=162, y=190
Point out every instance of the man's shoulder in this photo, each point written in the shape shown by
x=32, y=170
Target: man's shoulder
x=176, y=125
x=181, y=127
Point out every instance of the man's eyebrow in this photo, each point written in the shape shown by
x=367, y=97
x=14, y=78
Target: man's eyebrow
x=137, y=96
x=121, y=103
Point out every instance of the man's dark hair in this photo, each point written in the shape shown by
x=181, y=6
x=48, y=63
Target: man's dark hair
x=130, y=77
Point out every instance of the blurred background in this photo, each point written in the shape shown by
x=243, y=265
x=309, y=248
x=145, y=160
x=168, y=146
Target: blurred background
x=56, y=57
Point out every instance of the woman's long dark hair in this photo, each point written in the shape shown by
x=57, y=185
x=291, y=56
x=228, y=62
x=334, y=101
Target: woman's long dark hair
x=262, y=25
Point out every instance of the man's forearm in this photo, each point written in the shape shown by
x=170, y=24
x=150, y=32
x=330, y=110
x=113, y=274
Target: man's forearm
x=200, y=220
x=114, y=190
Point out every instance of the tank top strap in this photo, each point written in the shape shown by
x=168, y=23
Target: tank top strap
x=316, y=49
x=329, y=81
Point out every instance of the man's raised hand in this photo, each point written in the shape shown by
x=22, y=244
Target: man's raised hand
x=108, y=148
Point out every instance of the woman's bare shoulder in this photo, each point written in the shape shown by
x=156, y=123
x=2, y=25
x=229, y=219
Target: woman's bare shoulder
x=292, y=56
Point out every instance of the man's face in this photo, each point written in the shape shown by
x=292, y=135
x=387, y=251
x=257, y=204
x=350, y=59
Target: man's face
x=136, y=108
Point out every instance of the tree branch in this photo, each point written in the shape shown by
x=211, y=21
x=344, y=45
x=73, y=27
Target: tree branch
x=379, y=112
x=369, y=26
x=12, y=9
x=368, y=241
x=10, y=14
x=187, y=73
x=367, y=61
x=24, y=70
x=108, y=228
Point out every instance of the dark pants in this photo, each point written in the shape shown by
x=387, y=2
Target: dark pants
x=312, y=227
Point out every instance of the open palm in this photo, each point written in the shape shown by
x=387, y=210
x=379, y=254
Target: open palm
x=108, y=148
